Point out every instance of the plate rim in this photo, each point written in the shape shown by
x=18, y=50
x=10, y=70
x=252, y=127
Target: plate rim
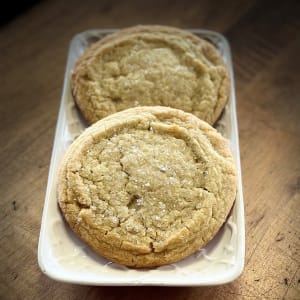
x=228, y=276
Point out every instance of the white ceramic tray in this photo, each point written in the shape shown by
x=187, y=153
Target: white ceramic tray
x=62, y=256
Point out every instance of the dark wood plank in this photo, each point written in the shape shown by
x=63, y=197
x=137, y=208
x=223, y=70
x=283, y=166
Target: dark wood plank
x=265, y=41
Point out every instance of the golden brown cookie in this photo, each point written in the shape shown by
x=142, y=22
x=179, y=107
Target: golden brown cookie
x=151, y=65
x=147, y=186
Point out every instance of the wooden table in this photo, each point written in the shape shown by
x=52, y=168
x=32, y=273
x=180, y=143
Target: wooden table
x=265, y=42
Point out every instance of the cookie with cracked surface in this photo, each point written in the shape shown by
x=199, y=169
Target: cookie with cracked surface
x=151, y=65
x=147, y=186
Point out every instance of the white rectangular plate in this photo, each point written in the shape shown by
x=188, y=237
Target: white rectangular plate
x=62, y=256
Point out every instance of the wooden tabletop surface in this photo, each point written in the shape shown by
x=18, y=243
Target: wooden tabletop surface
x=265, y=42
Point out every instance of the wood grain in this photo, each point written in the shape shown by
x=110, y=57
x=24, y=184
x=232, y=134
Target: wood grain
x=265, y=42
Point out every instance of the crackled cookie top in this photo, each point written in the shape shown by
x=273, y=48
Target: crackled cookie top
x=151, y=65
x=147, y=186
